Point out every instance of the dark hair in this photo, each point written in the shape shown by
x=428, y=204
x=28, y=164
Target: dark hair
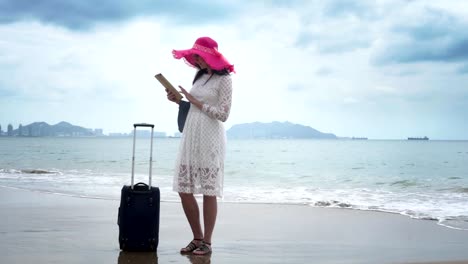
x=203, y=71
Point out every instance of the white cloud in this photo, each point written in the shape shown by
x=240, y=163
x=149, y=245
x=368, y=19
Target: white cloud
x=103, y=77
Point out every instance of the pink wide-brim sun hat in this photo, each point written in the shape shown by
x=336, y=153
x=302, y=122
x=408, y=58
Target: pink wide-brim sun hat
x=206, y=48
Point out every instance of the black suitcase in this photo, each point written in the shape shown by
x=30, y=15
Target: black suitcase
x=138, y=218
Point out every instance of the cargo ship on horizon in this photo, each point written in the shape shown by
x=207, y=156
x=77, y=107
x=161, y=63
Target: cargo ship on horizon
x=418, y=138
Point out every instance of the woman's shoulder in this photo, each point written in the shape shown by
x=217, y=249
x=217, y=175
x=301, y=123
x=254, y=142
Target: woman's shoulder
x=225, y=78
x=225, y=82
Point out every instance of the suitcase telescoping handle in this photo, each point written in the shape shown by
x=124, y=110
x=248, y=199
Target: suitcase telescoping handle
x=151, y=152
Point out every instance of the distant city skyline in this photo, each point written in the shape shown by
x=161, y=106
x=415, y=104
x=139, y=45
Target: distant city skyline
x=386, y=69
x=25, y=130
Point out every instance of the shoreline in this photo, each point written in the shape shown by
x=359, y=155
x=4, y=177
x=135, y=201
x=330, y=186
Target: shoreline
x=437, y=221
x=47, y=228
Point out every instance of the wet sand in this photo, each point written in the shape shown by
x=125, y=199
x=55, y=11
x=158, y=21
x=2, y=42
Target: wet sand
x=48, y=228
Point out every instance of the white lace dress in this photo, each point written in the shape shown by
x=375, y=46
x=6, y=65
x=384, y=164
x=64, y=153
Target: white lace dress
x=200, y=163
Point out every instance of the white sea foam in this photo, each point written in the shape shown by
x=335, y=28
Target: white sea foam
x=428, y=206
x=450, y=209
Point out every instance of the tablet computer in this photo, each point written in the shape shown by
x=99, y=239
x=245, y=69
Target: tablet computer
x=168, y=86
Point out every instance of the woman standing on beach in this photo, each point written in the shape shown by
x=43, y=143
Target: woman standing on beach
x=200, y=162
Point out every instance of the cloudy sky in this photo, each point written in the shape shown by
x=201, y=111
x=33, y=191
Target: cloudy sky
x=380, y=69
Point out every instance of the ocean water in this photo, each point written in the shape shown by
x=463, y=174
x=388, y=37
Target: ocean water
x=420, y=179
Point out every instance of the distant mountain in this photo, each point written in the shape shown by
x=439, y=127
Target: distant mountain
x=42, y=129
x=276, y=130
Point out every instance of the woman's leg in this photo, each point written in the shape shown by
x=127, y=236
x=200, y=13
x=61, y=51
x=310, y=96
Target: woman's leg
x=190, y=205
x=210, y=210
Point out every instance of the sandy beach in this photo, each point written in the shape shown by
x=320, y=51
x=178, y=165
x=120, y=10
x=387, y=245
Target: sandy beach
x=49, y=228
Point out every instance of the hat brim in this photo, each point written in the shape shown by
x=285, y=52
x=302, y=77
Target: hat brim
x=216, y=62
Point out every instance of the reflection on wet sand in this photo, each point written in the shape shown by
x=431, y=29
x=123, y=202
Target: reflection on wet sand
x=152, y=258
x=137, y=258
x=194, y=259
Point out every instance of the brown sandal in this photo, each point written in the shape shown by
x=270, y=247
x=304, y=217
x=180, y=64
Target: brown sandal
x=193, y=245
x=203, y=249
